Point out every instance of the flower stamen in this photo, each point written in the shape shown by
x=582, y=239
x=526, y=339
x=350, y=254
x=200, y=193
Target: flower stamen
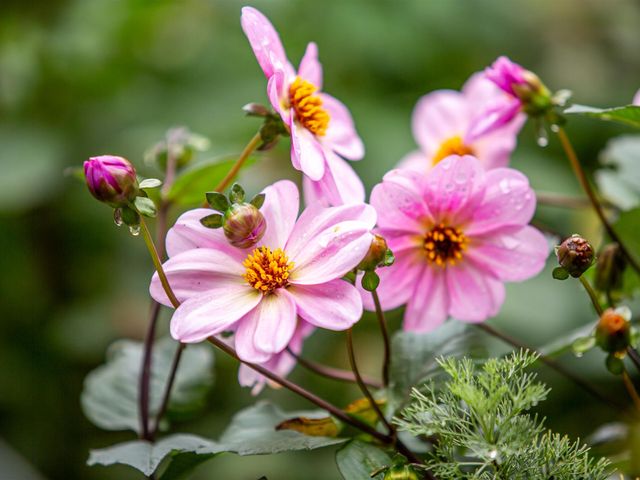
x=444, y=244
x=452, y=146
x=308, y=107
x=267, y=270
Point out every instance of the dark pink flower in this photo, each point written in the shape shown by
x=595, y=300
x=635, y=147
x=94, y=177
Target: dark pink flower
x=111, y=180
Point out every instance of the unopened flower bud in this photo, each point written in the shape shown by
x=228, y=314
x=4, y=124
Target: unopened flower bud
x=610, y=268
x=244, y=225
x=575, y=255
x=111, y=180
x=613, y=333
x=376, y=255
x=401, y=472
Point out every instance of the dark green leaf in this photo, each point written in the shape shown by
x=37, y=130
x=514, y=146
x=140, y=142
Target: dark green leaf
x=183, y=463
x=258, y=200
x=358, y=460
x=614, y=364
x=129, y=216
x=237, y=194
x=560, y=273
x=627, y=228
x=217, y=201
x=215, y=220
x=146, y=207
x=628, y=115
x=620, y=182
x=564, y=343
x=195, y=180
x=150, y=183
x=370, y=281
x=110, y=395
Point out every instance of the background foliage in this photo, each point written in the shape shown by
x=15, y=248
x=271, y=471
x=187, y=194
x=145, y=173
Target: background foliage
x=79, y=78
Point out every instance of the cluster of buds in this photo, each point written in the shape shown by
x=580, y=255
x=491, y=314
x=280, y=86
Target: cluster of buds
x=575, y=255
x=113, y=180
x=243, y=223
x=378, y=255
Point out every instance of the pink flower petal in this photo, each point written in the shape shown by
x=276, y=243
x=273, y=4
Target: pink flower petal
x=493, y=118
x=193, y=272
x=508, y=201
x=438, y=116
x=340, y=184
x=399, y=203
x=188, y=233
x=310, y=68
x=212, y=312
x=264, y=41
x=429, y=303
x=268, y=328
x=416, y=161
x=495, y=148
x=306, y=151
x=277, y=92
x=341, y=135
x=512, y=255
x=280, y=210
x=335, y=305
x=474, y=295
x=397, y=281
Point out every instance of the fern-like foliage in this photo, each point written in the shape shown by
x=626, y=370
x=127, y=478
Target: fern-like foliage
x=481, y=430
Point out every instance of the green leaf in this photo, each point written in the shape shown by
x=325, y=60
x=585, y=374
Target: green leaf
x=252, y=432
x=217, y=201
x=145, y=206
x=413, y=358
x=560, y=273
x=628, y=115
x=370, y=281
x=627, y=228
x=357, y=460
x=564, y=343
x=620, y=181
x=129, y=216
x=215, y=220
x=150, y=183
x=237, y=194
x=110, y=395
x=258, y=200
x=582, y=345
x=614, y=364
x=190, y=186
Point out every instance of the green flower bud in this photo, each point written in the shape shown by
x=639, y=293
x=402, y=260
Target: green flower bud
x=376, y=256
x=613, y=333
x=575, y=255
x=610, y=268
x=244, y=225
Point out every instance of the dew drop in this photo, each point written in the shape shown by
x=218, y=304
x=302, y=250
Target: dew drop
x=134, y=230
x=117, y=217
x=543, y=137
x=555, y=128
x=505, y=185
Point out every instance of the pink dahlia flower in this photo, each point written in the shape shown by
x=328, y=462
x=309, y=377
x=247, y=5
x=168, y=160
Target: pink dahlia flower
x=443, y=122
x=322, y=130
x=458, y=233
x=294, y=272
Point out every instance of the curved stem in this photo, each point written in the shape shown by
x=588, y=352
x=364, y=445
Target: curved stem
x=584, y=183
x=167, y=389
x=634, y=356
x=633, y=393
x=385, y=336
x=592, y=295
x=363, y=387
x=145, y=373
x=587, y=387
x=157, y=263
x=332, y=373
x=248, y=150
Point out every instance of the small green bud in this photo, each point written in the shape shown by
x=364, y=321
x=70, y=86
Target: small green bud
x=613, y=333
x=575, y=255
x=377, y=255
x=244, y=225
x=610, y=268
x=401, y=472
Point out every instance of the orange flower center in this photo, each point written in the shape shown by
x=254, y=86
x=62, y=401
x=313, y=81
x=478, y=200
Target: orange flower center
x=267, y=270
x=444, y=244
x=308, y=107
x=452, y=146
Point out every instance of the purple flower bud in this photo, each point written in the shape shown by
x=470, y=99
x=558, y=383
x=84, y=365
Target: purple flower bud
x=244, y=225
x=111, y=180
x=506, y=74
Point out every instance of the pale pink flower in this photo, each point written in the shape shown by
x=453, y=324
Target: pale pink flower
x=295, y=271
x=458, y=233
x=322, y=130
x=443, y=122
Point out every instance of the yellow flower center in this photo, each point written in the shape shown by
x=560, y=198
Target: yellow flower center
x=444, y=244
x=452, y=146
x=308, y=107
x=267, y=270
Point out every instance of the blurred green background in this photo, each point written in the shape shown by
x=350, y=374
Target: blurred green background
x=87, y=77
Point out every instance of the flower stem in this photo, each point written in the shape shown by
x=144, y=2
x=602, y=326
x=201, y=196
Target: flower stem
x=592, y=294
x=385, y=336
x=634, y=356
x=157, y=263
x=145, y=372
x=167, y=389
x=332, y=373
x=363, y=387
x=633, y=393
x=584, y=183
x=248, y=150
x=553, y=365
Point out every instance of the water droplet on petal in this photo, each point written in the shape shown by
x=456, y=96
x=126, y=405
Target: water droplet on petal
x=505, y=185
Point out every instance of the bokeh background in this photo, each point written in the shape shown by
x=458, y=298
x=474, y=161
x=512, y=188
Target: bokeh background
x=87, y=77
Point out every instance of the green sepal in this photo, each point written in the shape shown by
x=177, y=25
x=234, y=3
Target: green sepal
x=582, y=345
x=145, y=206
x=214, y=220
x=389, y=258
x=217, y=201
x=150, y=183
x=129, y=216
x=237, y=194
x=614, y=364
x=258, y=200
x=559, y=273
x=370, y=280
